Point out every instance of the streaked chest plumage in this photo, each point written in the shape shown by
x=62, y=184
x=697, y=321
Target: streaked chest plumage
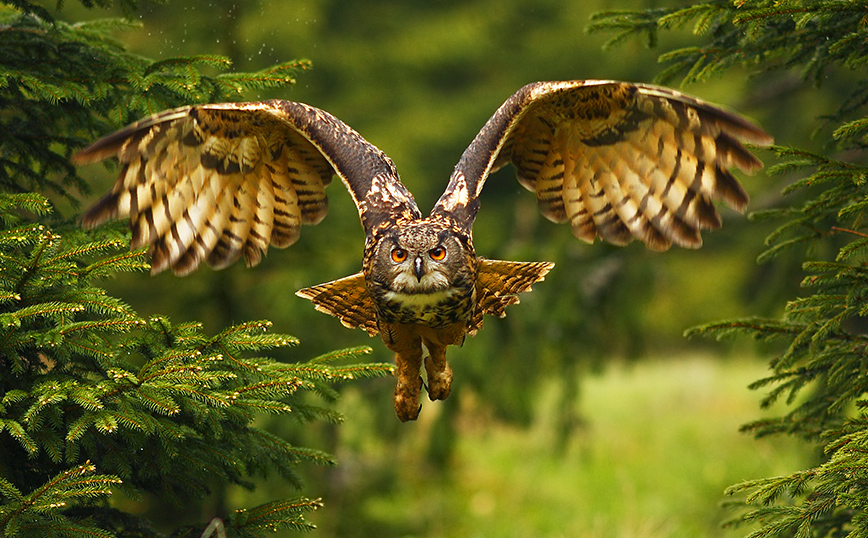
x=435, y=309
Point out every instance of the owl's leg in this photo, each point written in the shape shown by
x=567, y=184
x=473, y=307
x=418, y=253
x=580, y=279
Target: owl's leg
x=407, y=346
x=439, y=372
x=409, y=385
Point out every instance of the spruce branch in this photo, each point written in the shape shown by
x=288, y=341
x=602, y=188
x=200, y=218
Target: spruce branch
x=820, y=368
x=87, y=379
x=269, y=518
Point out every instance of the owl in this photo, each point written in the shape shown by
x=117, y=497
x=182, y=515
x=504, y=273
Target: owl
x=617, y=161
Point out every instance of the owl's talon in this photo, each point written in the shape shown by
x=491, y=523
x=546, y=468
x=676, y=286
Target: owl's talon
x=405, y=410
x=407, y=404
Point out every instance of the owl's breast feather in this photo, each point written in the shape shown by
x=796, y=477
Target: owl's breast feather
x=434, y=309
x=421, y=300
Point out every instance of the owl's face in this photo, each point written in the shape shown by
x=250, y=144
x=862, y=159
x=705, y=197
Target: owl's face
x=418, y=258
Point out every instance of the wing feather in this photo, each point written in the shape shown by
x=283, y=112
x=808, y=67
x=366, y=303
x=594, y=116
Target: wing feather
x=216, y=182
x=618, y=161
x=348, y=300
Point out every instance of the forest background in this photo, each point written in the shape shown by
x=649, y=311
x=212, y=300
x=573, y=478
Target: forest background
x=586, y=412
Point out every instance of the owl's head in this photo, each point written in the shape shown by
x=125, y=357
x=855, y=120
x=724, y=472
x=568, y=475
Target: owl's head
x=421, y=256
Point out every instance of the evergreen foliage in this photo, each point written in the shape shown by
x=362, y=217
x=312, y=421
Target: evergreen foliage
x=821, y=371
x=62, y=84
x=96, y=400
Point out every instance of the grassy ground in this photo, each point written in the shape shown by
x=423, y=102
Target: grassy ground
x=658, y=446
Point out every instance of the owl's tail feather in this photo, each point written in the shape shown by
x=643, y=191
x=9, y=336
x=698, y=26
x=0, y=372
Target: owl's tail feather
x=346, y=299
x=498, y=284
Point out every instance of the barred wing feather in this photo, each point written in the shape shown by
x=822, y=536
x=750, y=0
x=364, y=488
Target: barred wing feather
x=615, y=160
x=216, y=182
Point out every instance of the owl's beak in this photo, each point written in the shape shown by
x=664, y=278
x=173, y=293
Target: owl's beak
x=417, y=268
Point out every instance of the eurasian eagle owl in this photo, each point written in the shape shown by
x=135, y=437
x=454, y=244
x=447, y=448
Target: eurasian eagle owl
x=615, y=160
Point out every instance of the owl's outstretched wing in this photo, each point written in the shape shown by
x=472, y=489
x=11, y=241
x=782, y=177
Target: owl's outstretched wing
x=616, y=160
x=214, y=182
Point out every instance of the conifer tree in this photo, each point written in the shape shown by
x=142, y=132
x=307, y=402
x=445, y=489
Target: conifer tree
x=820, y=372
x=96, y=400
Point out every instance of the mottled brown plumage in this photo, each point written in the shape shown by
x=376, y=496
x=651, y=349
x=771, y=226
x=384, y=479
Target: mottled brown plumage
x=617, y=161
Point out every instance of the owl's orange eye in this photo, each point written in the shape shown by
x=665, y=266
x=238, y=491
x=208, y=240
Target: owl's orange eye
x=399, y=255
x=437, y=253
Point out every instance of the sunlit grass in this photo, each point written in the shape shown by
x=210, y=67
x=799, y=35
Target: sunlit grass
x=658, y=445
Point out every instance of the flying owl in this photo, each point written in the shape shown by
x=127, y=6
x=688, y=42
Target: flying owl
x=617, y=161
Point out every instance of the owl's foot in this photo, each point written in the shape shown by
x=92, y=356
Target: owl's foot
x=407, y=404
x=439, y=379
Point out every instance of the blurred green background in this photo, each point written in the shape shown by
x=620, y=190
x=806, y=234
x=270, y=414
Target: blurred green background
x=585, y=412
